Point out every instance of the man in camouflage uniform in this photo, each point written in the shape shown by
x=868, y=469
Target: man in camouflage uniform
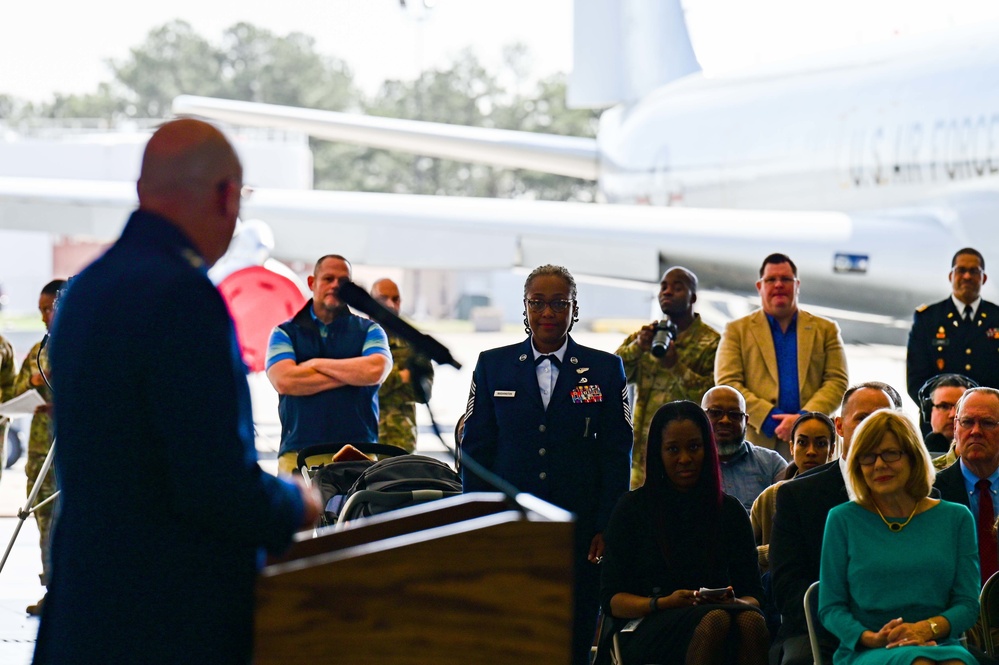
x=396, y=397
x=40, y=439
x=7, y=373
x=686, y=370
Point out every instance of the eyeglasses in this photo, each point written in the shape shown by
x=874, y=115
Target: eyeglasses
x=538, y=306
x=770, y=281
x=717, y=414
x=887, y=456
x=986, y=424
x=245, y=191
x=970, y=272
x=944, y=406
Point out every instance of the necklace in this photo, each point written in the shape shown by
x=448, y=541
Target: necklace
x=896, y=526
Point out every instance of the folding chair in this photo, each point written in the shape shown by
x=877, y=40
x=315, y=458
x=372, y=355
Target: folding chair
x=989, y=616
x=608, y=650
x=812, y=619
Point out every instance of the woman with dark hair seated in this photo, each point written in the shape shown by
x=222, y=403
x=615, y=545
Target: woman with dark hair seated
x=680, y=555
x=813, y=441
x=899, y=579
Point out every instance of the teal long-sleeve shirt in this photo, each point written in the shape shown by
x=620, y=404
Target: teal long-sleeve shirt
x=871, y=575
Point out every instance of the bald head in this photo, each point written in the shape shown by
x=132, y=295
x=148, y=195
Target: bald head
x=727, y=393
x=191, y=176
x=386, y=292
x=726, y=409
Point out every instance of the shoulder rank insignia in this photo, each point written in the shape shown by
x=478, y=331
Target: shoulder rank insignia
x=922, y=308
x=193, y=258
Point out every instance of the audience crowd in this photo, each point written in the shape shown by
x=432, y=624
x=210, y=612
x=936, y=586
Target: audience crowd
x=755, y=469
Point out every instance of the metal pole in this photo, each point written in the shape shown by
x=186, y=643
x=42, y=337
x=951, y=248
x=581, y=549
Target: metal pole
x=28, y=509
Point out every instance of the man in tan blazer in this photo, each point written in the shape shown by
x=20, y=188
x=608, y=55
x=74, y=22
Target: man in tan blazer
x=782, y=359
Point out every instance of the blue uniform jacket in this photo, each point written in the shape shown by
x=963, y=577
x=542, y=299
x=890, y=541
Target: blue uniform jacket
x=164, y=509
x=577, y=454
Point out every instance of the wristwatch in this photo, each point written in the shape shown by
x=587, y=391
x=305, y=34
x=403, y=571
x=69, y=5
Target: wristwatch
x=933, y=626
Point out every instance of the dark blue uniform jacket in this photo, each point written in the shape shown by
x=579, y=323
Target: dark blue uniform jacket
x=164, y=510
x=576, y=454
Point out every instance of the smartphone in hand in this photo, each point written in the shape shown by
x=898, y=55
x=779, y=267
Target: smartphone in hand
x=715, y=595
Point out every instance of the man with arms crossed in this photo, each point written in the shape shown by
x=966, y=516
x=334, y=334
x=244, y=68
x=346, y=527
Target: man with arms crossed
x=326, y=365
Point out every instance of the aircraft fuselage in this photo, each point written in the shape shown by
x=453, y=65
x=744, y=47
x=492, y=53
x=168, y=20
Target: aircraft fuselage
x=882, y=130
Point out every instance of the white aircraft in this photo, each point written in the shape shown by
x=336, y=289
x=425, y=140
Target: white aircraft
x=869, y=168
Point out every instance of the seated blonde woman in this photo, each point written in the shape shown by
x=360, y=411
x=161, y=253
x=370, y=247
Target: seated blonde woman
x=813, y=441
x=899, y=577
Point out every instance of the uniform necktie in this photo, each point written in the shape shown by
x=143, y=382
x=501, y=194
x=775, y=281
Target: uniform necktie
x=987, y=554
x=551, y=357
x=968, y=312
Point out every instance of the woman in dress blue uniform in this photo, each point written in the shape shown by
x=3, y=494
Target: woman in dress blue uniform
x=552, y=418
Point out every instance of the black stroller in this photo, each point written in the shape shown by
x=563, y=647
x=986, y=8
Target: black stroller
x=353, y=487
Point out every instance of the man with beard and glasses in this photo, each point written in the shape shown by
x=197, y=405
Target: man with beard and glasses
x=746, y=469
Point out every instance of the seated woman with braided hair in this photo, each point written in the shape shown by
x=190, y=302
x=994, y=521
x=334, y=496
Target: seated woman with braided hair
x=670, y=541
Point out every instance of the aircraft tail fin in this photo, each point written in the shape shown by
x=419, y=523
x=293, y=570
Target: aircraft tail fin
x=624, y=49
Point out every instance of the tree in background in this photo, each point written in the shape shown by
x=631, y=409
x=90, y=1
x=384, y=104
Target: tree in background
x=254, y=64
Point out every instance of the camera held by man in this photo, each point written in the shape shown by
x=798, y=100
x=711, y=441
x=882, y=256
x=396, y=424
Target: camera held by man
x=664, y=335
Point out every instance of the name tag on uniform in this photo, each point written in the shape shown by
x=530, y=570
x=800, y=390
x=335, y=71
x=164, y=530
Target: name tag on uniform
x=505, y=393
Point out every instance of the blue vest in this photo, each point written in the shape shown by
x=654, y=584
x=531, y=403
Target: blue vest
x=348, y=414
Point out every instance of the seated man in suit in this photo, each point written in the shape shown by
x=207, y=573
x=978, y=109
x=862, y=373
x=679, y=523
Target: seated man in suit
x=974, y=479
x=799, y=525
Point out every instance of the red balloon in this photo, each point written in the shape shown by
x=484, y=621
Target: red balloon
x=258, y=300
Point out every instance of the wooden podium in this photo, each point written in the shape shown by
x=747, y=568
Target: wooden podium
x=461, y=580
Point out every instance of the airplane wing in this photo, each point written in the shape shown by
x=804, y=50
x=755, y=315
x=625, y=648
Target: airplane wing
x=562, y=155
x=843, y=259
